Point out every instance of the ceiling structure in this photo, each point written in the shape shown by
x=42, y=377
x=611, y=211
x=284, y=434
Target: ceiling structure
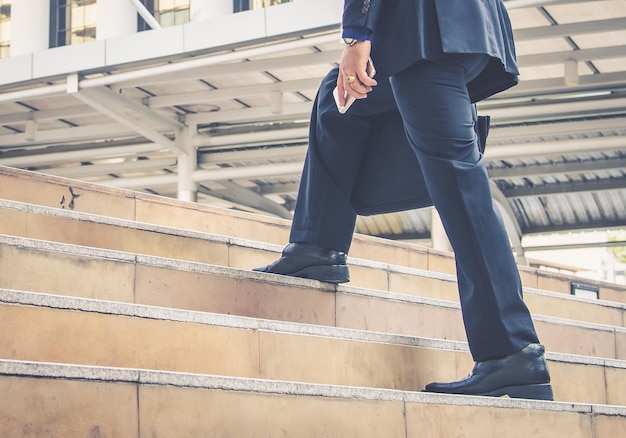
x=556, y=150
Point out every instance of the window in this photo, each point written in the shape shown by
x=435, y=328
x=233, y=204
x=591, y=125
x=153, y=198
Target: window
x=167, y=12
x=72, y=22
x=172, y=12
x=5, y=28
x=246, y=5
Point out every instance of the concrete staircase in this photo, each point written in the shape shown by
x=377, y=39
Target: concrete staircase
x=130, y=315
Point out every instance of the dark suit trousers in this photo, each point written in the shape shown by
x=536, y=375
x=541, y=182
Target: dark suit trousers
x=434, y=104
x=324, y=213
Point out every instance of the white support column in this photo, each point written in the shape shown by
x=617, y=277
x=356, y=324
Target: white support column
x=115, y=18
x=30, y=26
x=187, y=163
x=438, y=235
x=205, y=9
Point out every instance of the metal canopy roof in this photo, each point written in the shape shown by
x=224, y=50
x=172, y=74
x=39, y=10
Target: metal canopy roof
x=556, y=150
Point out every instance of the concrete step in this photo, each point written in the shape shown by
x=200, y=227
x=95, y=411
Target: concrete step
x=66, y=194
x=32, y=221
x=50, y=267
x=138, y=403
x=50, y=328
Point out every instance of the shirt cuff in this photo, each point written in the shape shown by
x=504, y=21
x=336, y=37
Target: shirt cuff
x=358, y=33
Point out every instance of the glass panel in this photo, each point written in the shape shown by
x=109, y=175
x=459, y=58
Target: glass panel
x=5, y=10
x=76, y=3
x=82, y=18
x=91, y=15
x=166, y=18
x=5, y=28
x=266, y=3
x=172, y=12
x=244, y=5
x=77, y=17
x=166, y=5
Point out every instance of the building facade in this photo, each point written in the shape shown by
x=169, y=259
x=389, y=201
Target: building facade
x=28, y=26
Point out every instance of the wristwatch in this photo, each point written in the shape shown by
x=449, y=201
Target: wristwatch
x=350, y=41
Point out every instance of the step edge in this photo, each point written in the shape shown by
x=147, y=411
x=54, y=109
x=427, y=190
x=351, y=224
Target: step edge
x=110, y=220
x=439, y=303
x=43, y=177
x=249, y=274
x=62, y=302
x=90, y=305
x=28, y=369
x=237, y=241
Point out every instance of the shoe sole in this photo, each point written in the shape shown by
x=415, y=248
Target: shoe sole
x=541, y=391
x=326, y=273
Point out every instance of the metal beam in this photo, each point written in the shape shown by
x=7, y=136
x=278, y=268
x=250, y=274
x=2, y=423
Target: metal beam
x=217, y=198
x=550, y=109
x=69, y=135
x=279, y=189
x=233, y=92
x=41, y=115
x=188, y=69
x=559, y=168
x=292, y=111
x=551, y=129
x=297, y=152
x=228, y=173
x=243, y=196
x=329, y=58
x=532, y=89
x=32, y=93
x=578, y=226
x=519, y=4
x=98, y=170
x=143, y=182
x=231, y=173
x=582, y=55
x=88, y=154
x=255, y=138
x=566, y=188
x=128, y=113
x=569, y=29
x=576, y=246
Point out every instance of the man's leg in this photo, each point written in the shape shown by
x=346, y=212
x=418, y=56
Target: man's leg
x=324, y=215
x=442, y=135
x=324, y=218
x=497, y=321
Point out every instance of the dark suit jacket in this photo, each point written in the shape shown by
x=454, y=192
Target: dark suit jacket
x=406, y=31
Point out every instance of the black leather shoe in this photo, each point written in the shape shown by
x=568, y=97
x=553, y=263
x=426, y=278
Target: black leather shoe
x=521, y=375
x=310, y=261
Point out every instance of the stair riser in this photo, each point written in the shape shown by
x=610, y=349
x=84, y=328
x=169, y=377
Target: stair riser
x=388, y=316
x=55, y=192
x=142, y=411
x=42, y=334
x=97, y=235
x=74, y=275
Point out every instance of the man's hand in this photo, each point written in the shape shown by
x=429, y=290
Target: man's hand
x=353, y=78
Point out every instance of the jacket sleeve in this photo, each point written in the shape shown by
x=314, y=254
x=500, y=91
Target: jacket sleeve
x=361, y=14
